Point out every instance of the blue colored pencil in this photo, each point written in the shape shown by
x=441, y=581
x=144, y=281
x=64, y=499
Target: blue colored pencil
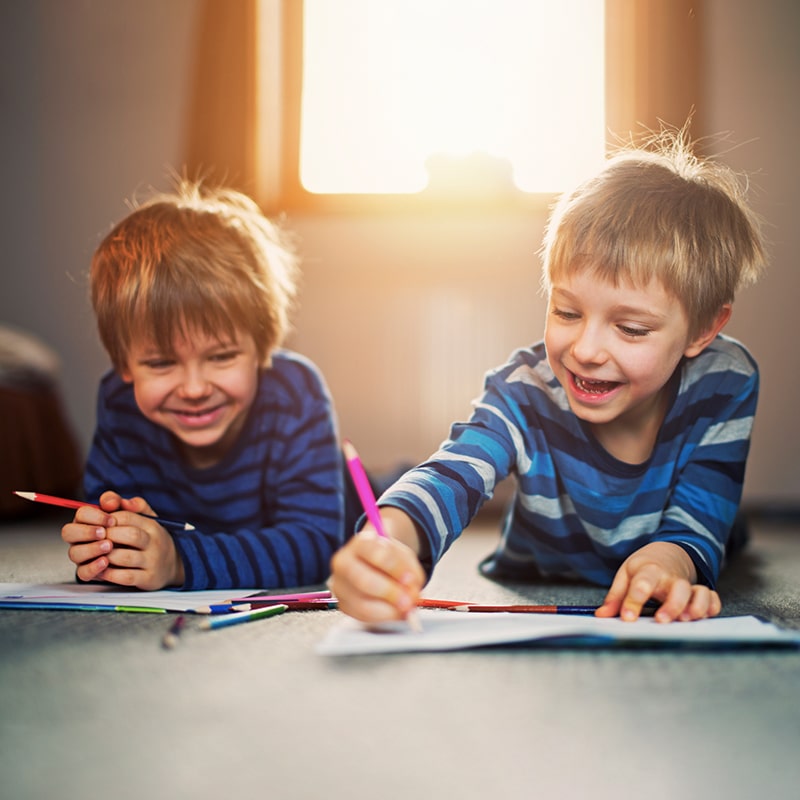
x=220, y=608
x=224, y=620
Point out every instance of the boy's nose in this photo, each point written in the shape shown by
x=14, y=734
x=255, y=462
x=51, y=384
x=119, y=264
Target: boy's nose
x=194, y=384
x=588, y=348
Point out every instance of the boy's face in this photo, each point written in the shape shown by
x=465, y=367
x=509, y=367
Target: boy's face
x=201, y=393
x=613, y=349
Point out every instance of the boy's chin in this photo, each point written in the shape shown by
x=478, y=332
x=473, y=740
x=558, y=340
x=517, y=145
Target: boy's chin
x=202, y=452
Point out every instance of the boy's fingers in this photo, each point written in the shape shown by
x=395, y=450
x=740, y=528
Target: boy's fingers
x=365, y=581
x=390, y=557
x=129, y=535
x=677, y=602
x=642, y=587
x=88, y=515
x=367, y=593
x=614, y=596
x=124, y=577
x=138, y=505
x=93, y=570
x=74, y=533
x=704, y=603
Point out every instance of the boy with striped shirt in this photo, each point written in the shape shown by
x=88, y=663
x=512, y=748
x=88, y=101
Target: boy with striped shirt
x=627, y=428
x=203, y=417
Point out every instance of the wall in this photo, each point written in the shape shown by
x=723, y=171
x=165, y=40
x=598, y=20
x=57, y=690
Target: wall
x=403, y=315
x=752, y=81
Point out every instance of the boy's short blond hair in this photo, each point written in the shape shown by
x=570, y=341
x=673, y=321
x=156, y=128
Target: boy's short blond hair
x=659, y=211
x=196, y=259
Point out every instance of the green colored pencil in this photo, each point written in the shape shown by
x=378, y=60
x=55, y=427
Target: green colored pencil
x=223, y=620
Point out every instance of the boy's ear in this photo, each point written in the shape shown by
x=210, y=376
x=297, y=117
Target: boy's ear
x=125, y=374
x=699, y=343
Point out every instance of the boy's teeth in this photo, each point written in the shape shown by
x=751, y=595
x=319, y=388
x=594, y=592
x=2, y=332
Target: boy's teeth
x=596, y=387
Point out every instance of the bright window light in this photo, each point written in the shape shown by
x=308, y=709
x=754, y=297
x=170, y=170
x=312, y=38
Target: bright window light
x=400, y=95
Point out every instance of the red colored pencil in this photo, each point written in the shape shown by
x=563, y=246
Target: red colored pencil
x=37, y=497
x=528, y=609
x=427, y=602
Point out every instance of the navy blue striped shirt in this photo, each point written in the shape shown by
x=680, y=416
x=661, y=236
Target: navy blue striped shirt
x=577, y=510
x=270, y=514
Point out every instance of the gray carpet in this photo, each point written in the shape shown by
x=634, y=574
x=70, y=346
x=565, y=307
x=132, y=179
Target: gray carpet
x=92, y=706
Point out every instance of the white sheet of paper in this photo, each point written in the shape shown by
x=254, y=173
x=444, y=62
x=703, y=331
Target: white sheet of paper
x=100, y=594
x=451, y=630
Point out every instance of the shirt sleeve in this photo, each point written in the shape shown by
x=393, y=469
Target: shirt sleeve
x=445, y=493
x=705, y=498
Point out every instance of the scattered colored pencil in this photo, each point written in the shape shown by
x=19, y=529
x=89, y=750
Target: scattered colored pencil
x=428, y=602
x=527, y=609
x=222, y=608
x=56, y=605
x=281, y=598
x=367, y=499
x=37, y=497
x=301, y=605
x=224, y=620
x=171, y=636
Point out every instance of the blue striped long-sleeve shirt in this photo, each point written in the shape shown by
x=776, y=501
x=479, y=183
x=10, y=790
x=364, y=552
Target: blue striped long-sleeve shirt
x=270, y=514
x=577, y=510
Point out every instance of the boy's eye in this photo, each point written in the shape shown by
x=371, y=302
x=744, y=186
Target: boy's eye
x=158, y=363
x=224, y=355
x=629, y=330
x=563, y=314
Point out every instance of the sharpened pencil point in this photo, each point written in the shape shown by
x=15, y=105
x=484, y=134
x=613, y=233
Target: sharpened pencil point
x=413, y=621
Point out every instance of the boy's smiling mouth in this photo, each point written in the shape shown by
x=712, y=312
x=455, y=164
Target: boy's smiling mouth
x=197, y=417
x=596, y=388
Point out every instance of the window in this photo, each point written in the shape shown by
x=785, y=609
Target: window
x=400, y=94
x=459, y=99
x=245, y=97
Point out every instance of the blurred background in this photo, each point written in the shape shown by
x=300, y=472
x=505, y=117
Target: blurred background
x=405, y=301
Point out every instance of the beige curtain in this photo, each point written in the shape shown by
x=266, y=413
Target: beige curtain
x=221, y=130
x=653, y=66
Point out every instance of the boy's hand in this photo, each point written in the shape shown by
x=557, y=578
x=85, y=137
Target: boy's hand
x=662, y=571
x=115, y=544
x=377, y=579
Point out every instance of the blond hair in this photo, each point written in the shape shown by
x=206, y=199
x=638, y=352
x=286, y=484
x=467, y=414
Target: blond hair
x=660, y=211
x=196, y=259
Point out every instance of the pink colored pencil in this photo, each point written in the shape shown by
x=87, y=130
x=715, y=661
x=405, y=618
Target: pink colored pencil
x=283, y=598
x=363, y=488
x=367, y=499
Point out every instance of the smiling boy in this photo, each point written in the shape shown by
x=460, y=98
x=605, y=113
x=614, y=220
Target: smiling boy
x=627, y=429
x=203, y=417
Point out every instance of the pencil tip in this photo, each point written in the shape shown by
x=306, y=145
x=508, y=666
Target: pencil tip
x=413, y=621
x=349, y=450
x=26, y=495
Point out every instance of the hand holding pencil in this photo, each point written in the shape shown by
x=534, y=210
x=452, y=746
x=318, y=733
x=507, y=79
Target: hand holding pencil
x=122, y=542
x=376, y=576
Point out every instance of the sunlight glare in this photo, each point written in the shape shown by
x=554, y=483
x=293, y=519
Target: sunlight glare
x=388, y=84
